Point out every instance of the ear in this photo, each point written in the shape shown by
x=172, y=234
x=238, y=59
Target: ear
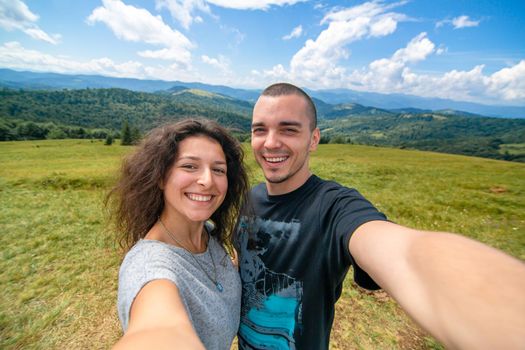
x=314, y=139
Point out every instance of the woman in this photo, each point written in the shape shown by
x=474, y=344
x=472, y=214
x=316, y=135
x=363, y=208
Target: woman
x=177, y=284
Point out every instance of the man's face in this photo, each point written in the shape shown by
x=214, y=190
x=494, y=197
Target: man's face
x=282, y=141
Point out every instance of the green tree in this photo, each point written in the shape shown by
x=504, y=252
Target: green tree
x=57, y=133
x=6, y=133
x=135, y=135
x=31, y=131
x=340, y=139
x=126, y=139
x=324, y=139
x=109, y=140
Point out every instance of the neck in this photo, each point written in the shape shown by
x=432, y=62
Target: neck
x=184, y=234
x=287, y=186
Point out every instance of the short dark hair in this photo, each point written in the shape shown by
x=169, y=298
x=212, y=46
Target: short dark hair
x=284, y=89
x=137, y=201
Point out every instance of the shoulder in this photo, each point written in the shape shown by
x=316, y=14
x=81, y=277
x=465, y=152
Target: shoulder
x=216, y=246
x=145, y=249
x=346, y=203
x=332, y=190
x=259, y=190
x=147, y=256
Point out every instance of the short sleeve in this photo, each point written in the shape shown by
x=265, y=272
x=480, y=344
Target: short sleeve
x=349, y=210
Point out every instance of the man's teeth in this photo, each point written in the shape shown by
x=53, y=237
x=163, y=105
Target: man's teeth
x=275, y=159
x=198, y=197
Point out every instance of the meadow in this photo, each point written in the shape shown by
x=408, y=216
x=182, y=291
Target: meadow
x=59, y=261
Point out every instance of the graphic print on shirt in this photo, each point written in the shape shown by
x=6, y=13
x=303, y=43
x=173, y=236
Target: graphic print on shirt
x=271, y=302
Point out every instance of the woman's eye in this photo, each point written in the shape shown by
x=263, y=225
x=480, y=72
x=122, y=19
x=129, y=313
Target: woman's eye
x=189, y=166
x=220, y=171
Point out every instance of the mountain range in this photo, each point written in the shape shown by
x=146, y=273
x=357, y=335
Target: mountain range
x=397, y=102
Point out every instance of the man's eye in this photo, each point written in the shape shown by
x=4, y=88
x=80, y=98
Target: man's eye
x=257, y=130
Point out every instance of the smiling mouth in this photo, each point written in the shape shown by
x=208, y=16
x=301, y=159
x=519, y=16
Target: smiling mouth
x=275, y=159
x=199, y=197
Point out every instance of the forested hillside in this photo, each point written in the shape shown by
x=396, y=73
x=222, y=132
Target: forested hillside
x=97, y=113
x=108, y=108
x=441, y=132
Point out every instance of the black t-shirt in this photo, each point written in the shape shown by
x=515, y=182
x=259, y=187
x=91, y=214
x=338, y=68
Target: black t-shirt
x=293, y=257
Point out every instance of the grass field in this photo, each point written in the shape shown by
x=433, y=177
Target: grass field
x=59, y=262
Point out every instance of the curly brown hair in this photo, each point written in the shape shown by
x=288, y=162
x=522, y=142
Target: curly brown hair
x=137, y=201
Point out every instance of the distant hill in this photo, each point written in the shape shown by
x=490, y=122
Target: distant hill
x=353, y=109
x=52, y=81
x=207, y=99
x=108, y=108
x=440, y=132
x=401, y=101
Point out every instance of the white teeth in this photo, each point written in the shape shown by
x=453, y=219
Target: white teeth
x=275, y=159
x=198, y=197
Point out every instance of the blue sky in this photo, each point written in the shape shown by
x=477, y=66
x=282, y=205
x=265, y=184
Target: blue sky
x=462, y=50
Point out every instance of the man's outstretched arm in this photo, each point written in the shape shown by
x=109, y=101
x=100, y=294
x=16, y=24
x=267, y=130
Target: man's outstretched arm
x=466, y=294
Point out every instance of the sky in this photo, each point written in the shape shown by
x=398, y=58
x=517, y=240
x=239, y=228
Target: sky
x=466, y=50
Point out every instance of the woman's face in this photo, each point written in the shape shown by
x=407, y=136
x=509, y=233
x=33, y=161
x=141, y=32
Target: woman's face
x=197, y=182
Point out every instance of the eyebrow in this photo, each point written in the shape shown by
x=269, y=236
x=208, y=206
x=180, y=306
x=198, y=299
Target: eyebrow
x=282, y=123
x=197, y=158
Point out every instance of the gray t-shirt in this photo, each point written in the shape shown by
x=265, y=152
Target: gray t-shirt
x=214, y=314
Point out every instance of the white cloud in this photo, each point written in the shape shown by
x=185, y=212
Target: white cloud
x=509, y=83
x=389, y=75
x=181, y=10
x=458, y=22
x=463, y=22
x=221, y=63
x=417, y=50
x=277, y=73
x=441, y=50
x=296, y=32
x=139, y=25
x=13, y=55
x=395, y=75
x=169, y=54
x=15, y=15
x=252, y=4
x=319, y=58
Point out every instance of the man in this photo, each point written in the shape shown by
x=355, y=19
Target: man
x=299, y=234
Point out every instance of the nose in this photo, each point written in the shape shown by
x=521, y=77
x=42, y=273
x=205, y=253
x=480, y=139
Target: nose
x=205, y=178
x=272, y=140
